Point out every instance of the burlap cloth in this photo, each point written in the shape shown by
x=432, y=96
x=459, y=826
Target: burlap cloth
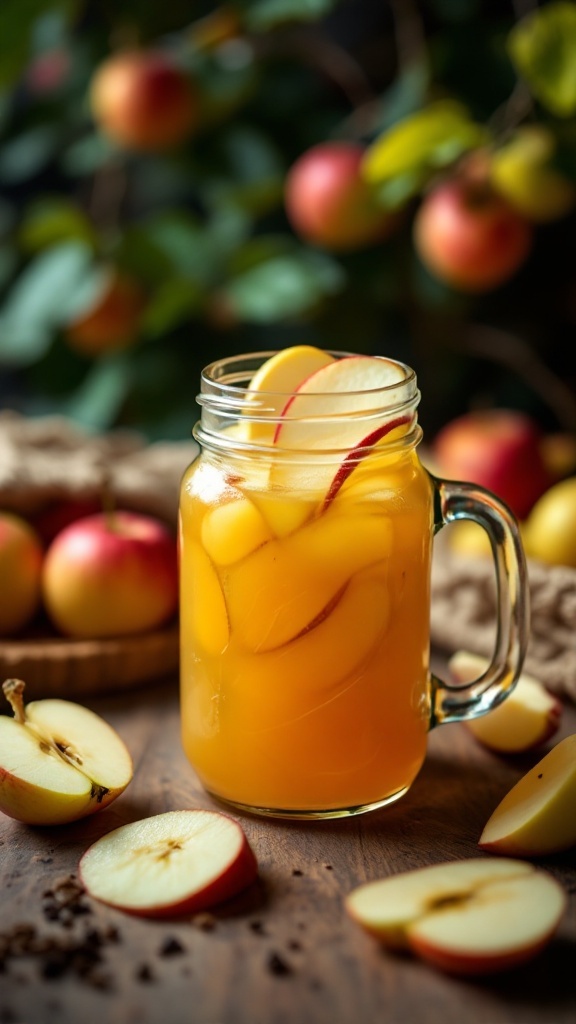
x=463, y=614
x=46, y=459
x=49, y=458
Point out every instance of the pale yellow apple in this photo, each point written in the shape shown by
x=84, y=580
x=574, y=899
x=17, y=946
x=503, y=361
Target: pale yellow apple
x=528, y=717
x=468, y=917
x=59, y=761
x=538, y=815
x=550, y=529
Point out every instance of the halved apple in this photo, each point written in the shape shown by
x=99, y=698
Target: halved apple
x=177, y=862
x=59, y=761
x=528, y=717
x=467, y=917
x=277, y=378
x=538, y=815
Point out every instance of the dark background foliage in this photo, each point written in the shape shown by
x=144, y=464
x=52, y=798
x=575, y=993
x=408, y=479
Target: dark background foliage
x=203, y=228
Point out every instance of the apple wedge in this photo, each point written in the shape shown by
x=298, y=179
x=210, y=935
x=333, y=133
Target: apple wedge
x=277, y=378
x=528, y=717
x=538, y=815
x=59, y=761
x=468, y=917
x=177, y=862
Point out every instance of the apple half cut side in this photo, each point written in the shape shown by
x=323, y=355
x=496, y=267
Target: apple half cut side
x=528, y=717
x=468, y=917
x=537, y=816
x=59, y=761
x=177, y=862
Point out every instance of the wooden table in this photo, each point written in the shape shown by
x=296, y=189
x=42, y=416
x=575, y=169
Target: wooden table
x=284, y=952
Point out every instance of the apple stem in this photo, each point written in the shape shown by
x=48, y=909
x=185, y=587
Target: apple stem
x=108, y=501
x=13, y=690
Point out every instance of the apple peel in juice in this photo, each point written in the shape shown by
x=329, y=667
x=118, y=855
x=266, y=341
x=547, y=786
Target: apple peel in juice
x=178, y=862
x=59, y=761
x=468, y=917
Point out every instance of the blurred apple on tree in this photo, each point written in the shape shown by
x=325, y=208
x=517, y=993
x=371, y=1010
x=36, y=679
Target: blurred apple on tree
x=142, y=100
x=112, y=320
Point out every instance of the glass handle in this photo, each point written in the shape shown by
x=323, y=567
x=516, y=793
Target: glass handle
x=453, y=702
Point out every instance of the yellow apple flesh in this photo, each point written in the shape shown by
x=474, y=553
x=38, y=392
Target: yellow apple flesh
x=467, y=917
x=178, y=862
x=538, y=815
x=528, y=717
x=59, y=761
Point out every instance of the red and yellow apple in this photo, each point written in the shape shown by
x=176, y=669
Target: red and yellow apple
x=113, y=319
x=466, y=917
x=469, y=237
x=111, y=574
x=21, y=555
x=143, y=100
x=536, y=817
x=330, y=204
x=177, y=862
x=59, y=761
x=528, y=717
x=498, y=449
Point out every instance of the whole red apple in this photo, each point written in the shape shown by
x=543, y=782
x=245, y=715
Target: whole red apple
x=21, y=557
x=500, y=449
x=329, y=203
x=112, y=322
x=143, y=100
x=110, y=574
x=469, y=237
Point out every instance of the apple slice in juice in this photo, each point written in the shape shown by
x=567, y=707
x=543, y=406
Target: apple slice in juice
x=286, y=584
x=203, y=600
x=278, y=686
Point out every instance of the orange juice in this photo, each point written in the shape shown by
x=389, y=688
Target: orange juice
x=305, y=538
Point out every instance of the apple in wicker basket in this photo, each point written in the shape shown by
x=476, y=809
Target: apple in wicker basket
x=111, y=574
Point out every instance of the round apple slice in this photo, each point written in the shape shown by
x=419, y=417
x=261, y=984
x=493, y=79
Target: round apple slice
x=178, y=862
x=279, y=377
x=467, y=917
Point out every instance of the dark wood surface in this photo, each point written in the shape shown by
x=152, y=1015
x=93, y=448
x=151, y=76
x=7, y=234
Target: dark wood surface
x=284, y=952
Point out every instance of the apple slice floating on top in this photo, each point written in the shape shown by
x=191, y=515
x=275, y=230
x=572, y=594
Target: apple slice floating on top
x=526, y=719
x=279, y=377
x=538, y=815
x=178, y=862
x=59, y=761
x=468, y=917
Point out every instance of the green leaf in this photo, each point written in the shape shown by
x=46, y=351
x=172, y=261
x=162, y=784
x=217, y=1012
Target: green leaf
x=174, y=301
x=17, y=29
x=406, y=94
x=50, y=290
x=284, y=287
x=422, y=143
x=262, y=15
x=96, y=404
x=542, y=47
x=26, y=155
x=53, y=220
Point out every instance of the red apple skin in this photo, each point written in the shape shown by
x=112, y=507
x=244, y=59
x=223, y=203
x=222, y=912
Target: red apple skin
x=113, y=321
x=470, y=238
x=108, y=575
x=467, y=966
x=357, y=454
x=51, y=520
x=329, y=204
x=143, y=101
x=499, y=449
